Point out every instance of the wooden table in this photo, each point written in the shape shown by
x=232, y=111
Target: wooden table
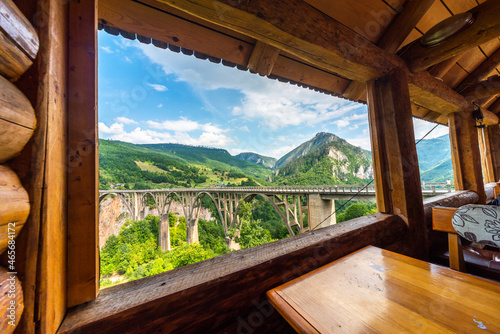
x=374, y=290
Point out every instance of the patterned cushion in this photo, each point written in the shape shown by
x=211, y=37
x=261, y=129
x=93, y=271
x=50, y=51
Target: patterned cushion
x=478, y=223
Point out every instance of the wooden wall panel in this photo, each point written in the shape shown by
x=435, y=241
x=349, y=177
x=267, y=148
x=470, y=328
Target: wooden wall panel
x=83, y=161
x=10, y=317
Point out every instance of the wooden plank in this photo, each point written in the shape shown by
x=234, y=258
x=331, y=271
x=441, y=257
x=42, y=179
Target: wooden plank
x=439, y=70
x=456, y=255
x=263, y=58
x=299, y=29
x=486, y=158
x=222, y=289
x=396, y=172
x=464, y=154
x=147, y=21
x=369, y=18
x=455, y=75
x=51, y=289
x=485, y=27
x=494, y=139
x=14, y=206
x=441, y=219
x=482, y=89
x=83, y=165
x=15, y=25
x=11, y=301
x=495, y=107
x=17, y=120
x=481, y=72
x=399, y=29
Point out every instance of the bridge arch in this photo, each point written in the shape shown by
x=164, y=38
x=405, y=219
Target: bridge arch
x=200, y=197
x=126, y=200
x=250, y=196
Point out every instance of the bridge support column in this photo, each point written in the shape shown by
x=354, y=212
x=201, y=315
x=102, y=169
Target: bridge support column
x=231, y=242
x=164, y=233
x=192, y=231
x=320, y=212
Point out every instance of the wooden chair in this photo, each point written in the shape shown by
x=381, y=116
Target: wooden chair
x=476, y=223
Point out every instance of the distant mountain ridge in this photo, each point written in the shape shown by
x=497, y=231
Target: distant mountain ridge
x=434, y=159
x=257, y=159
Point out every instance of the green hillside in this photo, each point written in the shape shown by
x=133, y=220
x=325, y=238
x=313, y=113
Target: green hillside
x=213, y=158
x=139, y=167
x=434, y=159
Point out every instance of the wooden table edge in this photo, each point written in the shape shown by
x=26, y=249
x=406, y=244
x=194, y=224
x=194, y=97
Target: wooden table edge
x=299, y=323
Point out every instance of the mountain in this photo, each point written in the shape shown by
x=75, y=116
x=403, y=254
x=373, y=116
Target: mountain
x=257, y=159
x=325, y=159
x=434, y=159
x=320, y=140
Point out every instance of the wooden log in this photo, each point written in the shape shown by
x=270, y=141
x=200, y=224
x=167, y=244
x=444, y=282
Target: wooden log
x=483, y=89
x=83, y=202
x=486, y=26
x=464, y=154
x=204, y=296
x=481, y=72
x=17, y=120
x=18, y=41
x=489, y=118
x=263, y=58
x=494, y=139
x=14, y=206
x=439, y=70
x=486, y=157
x=11, y=301
x=396, y=171
x=299, y=29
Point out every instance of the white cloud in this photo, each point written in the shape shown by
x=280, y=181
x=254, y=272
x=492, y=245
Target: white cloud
x=125, y=120
x=421, y=127
x=363, y=142
x=342, y=123
x=115, y=128
x=181, y=125
x=243, y=128
x=157, y=87
x=160, y=105
x=106, y=49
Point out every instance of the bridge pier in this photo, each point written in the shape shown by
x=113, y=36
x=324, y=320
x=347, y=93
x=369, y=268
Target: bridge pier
x=231, y=242
x=164, y=232
x=320, y=212
x=192, y=231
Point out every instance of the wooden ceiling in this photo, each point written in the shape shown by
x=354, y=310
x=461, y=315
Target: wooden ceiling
x=371, y=19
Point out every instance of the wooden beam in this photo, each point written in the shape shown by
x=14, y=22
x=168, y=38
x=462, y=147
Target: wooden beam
x=495, y=107
x=439, y=70
x=263, y=58
x=83, y=161
x=299, y=29
x=489, y=118
x=486, y=158
x=494, y=145
x=486, y=26
x=398, y=30
x=464, y=154
x=483, y=89
x=481, y=72
x=396, y=171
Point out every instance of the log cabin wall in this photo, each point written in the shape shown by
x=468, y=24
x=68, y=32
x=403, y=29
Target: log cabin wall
x=33, y=52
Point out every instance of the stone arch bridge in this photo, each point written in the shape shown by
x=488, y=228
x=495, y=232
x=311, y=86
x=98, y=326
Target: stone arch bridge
x=289, y=201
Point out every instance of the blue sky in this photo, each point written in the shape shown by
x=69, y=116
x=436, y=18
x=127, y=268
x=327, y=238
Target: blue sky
x=151, y=95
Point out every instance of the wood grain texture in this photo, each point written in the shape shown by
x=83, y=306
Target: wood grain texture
x=439, y=70
x=485, y=27
x=13, y=61
x=486, y=157
x=299, y=29
x=456, y=252
x=441, y=219
x=263, y=58
x=481, y=72
x=465, y=154
x=11, y=301
x=374, y=290
x=221, y=289
x=15, y=25
x=14, y=205
x=396, y=170
x=83, y=161
x=482, y=89
x=494, y=138
x=17, y=120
